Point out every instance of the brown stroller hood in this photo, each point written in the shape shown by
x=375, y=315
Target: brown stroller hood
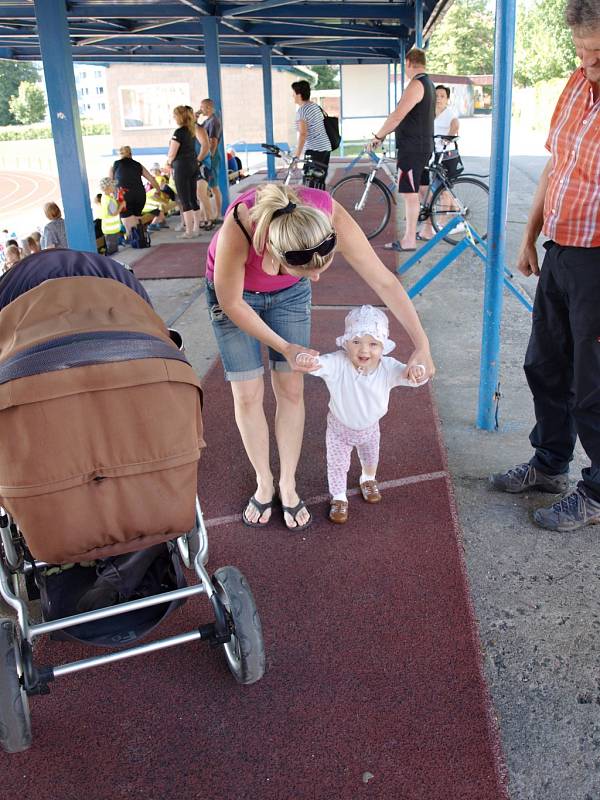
x=100, y=422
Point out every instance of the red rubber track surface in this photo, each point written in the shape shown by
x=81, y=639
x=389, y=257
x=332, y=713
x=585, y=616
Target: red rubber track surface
x=373, y=663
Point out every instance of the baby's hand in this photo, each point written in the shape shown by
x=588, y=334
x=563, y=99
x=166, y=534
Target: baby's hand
x=417, y=374
x=307, y=361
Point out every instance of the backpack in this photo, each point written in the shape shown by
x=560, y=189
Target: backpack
x=139, y=237
x=332, y=129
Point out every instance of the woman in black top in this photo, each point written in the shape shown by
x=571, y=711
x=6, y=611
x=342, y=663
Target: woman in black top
x=182, y=159
x=127, y=174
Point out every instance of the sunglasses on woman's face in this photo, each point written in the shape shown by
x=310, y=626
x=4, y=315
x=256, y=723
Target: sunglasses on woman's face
x=298, y=258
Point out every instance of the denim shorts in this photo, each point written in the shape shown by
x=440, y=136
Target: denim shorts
x=286, y=312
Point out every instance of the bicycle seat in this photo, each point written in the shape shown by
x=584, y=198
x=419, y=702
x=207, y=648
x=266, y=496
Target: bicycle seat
x=272, y=149
x=445, y=137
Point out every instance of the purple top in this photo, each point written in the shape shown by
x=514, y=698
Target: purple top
x=256, y=280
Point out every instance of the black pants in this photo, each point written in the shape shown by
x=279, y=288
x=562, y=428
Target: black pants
x=185, y=172
x=319, y=158
x=562, y=363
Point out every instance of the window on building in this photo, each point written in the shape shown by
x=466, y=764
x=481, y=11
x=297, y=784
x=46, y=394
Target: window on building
x=151, y=105
x=99, y=89
x=102, y=106
x=98, y=73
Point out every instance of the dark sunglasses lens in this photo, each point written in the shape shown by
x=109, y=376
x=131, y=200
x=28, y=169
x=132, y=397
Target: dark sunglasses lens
x=327, y=245
x=297, y=258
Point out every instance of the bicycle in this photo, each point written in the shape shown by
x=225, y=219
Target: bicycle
x=307, y=172
x=368, y=199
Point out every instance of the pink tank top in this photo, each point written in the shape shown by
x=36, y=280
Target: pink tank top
x=256, y=280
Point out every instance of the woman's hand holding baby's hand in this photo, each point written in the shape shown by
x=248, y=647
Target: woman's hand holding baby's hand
x=417, y=374
x=306, y=360
x=301, y=359
x=420, y=367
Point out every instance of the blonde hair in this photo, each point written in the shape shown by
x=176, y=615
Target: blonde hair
x=302, y=228
x=125, y=151
x=185, y=118
x=12, y=256
x=52, y=211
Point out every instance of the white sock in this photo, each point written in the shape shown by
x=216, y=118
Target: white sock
x=365, y=477
x=341, y=496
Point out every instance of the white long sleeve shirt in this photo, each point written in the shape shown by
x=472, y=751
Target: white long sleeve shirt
x=357, y=400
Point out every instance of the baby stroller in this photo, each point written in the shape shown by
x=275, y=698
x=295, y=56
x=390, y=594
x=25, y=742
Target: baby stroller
x=100, y=436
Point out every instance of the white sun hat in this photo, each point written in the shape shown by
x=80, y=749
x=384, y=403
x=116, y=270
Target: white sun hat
x=367, y=321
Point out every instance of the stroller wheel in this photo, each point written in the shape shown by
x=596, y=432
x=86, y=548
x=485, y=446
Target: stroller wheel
x=15, y=723
x=245, y=653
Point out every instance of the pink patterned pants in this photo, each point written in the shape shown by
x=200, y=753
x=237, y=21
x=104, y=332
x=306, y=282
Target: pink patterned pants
x=340, y=442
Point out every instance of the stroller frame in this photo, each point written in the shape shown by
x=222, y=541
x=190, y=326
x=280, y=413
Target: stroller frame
x=236, y=626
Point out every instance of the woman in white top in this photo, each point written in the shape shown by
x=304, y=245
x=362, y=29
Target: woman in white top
x=312, y=137
x=359, y=377
x=445, y=124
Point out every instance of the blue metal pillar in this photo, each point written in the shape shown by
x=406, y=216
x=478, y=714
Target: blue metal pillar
x=419, y=23
x=395, y=84
x=341, y=109
x=57, y=57
x=494, y=274
x=265, y=53
x=213, y=74
x=402, y=63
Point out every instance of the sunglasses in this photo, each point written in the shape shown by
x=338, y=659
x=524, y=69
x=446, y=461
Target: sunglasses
x=298, y=258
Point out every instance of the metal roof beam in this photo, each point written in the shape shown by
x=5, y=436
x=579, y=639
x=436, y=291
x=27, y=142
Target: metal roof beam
x=340, y=11
x=248, y=10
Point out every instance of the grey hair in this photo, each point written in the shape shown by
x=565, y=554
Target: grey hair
x=583, y=14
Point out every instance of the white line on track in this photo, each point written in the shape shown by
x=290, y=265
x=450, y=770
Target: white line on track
x=426, y=476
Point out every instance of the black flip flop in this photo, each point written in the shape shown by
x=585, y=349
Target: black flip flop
x=293, y=512
x=261, y=507
x=397, y=247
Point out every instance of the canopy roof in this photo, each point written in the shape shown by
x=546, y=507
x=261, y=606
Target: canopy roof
x=298, y=31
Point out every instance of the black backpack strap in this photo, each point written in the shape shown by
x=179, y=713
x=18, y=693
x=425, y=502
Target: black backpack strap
x=240, y=224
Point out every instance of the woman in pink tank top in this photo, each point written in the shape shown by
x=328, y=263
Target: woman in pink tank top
x=274, y=243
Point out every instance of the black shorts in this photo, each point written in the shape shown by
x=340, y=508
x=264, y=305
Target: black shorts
x=411, y=172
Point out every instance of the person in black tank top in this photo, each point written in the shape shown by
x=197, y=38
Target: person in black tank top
x=412, y=121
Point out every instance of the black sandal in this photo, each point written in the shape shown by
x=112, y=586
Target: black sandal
x=262, y=507
x=293, y=512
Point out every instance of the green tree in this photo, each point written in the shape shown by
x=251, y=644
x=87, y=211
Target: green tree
x=29, y=105
x=329, y=77
x=12, y=73
x=544, y=46
x=463, y=43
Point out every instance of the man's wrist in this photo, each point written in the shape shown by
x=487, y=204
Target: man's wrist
x=379, y=138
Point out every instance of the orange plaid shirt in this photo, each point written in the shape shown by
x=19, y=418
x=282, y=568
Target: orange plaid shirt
x=572, y=200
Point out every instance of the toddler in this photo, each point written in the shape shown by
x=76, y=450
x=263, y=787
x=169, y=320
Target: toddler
x=359, y=377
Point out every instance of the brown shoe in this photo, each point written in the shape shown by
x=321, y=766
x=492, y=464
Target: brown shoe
x=338, y=512
x=370, y=491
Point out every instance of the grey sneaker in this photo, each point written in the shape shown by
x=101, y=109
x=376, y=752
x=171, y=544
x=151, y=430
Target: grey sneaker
x=573, y=511
x=524, y=477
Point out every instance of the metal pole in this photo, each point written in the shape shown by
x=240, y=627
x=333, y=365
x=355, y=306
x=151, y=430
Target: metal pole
x=265, y=53
x=213, y=75
x=57, y=57
x=342, y=108
x=395, y=84
x=419, y=23
x=494, y=273
x=402, y=63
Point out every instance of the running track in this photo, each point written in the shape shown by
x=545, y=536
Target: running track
x=23, y=191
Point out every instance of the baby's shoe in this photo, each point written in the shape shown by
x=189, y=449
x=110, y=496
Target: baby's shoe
x=338, y=512
x=370, y=491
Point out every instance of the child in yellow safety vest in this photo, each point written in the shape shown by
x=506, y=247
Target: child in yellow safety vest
x=110, y=208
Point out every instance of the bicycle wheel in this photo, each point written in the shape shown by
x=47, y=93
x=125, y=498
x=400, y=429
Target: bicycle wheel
x=465, y=197
x=377, y=207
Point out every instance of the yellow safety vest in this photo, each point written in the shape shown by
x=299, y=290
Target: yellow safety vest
x=111, y=221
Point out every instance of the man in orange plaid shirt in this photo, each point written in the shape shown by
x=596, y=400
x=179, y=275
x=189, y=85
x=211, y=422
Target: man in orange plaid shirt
x=562, y=364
